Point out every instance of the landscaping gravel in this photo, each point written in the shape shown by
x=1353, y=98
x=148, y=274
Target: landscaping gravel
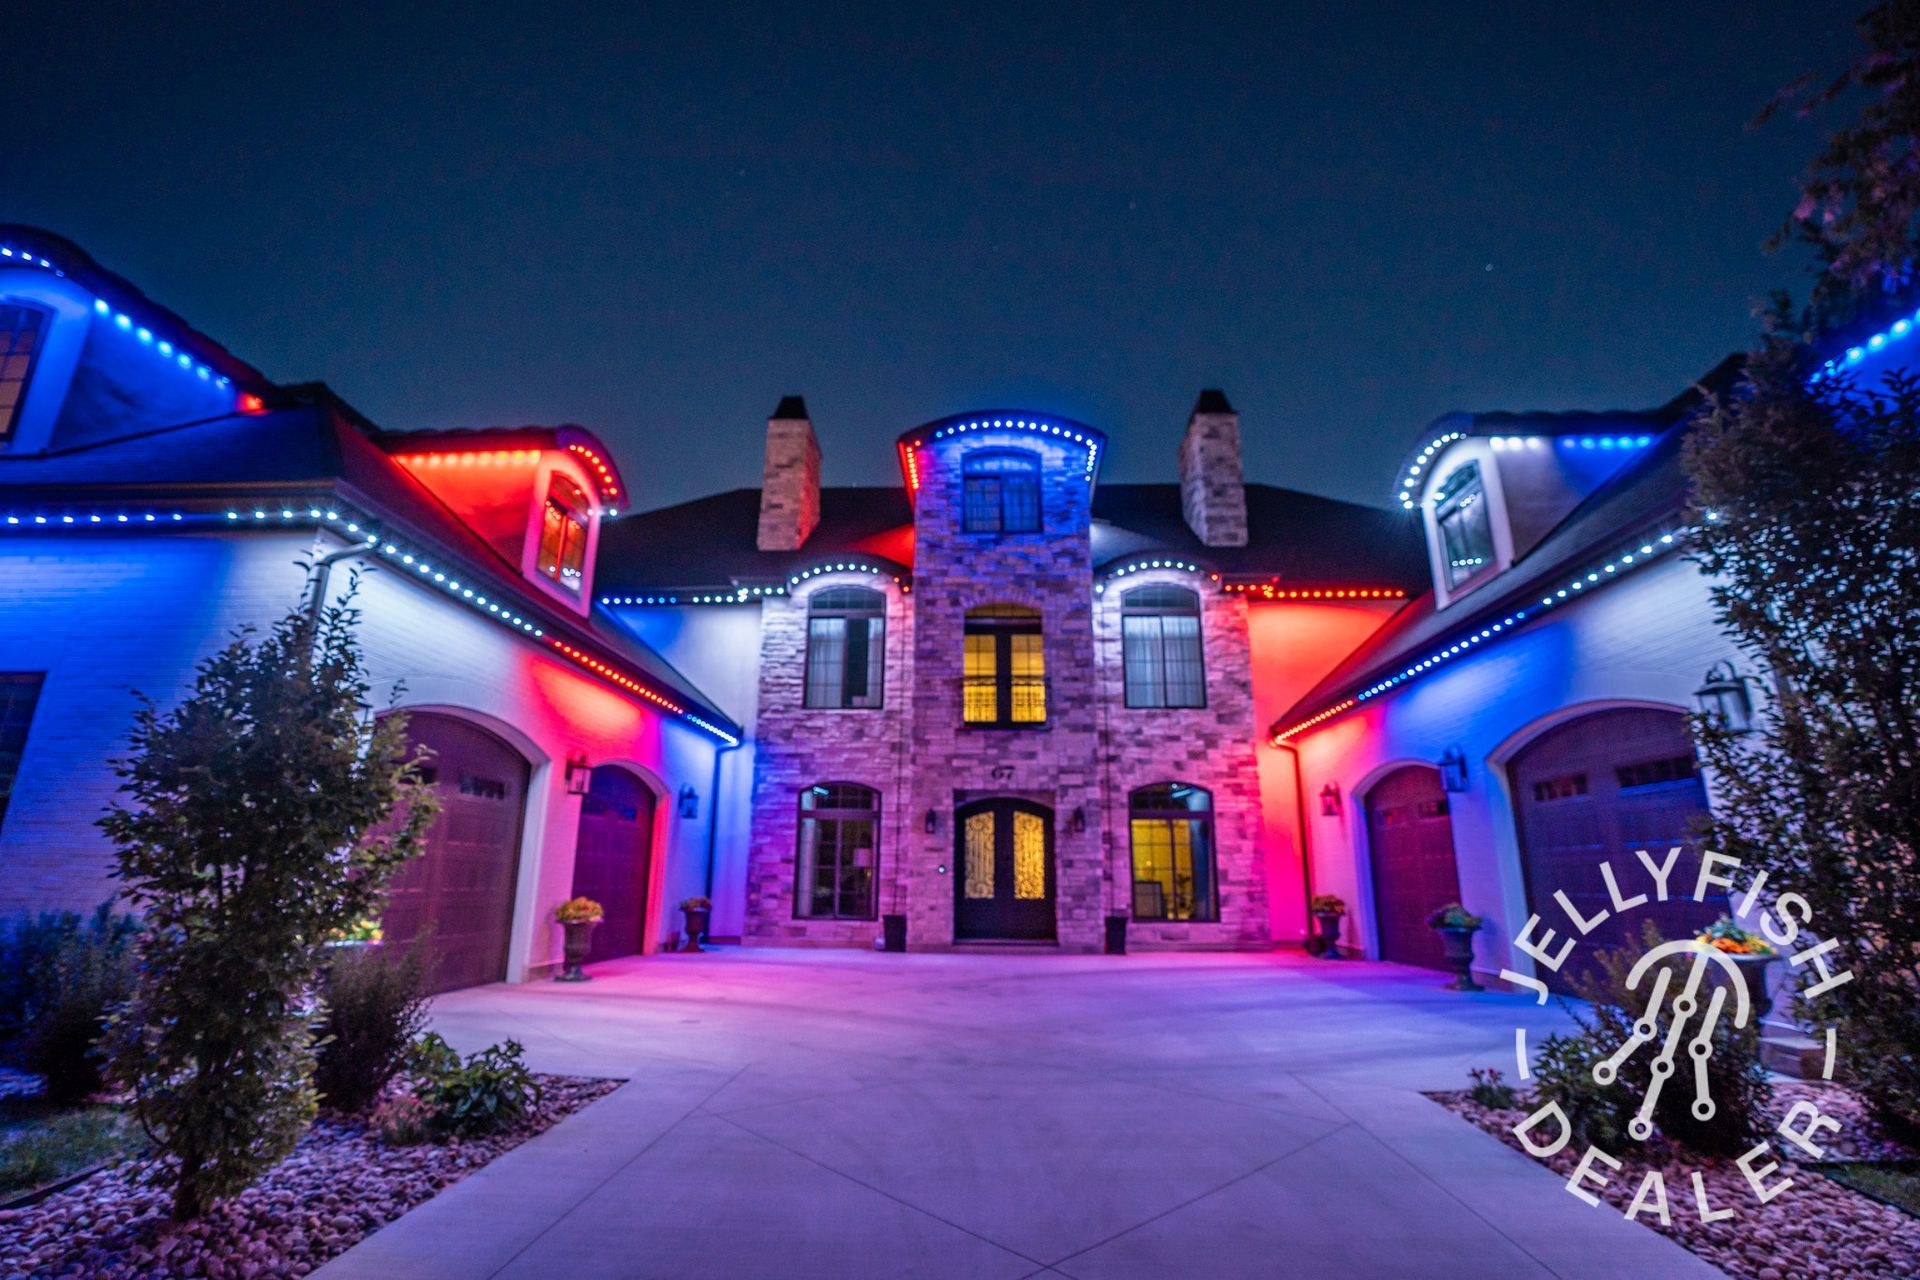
x=340, y=1184
x=1815, y=1230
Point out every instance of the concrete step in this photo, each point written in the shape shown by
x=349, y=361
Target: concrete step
x=1792, y=1054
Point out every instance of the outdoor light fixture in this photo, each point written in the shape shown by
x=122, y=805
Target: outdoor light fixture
x=689, y=802
x=1453, y=769
x=933, y=822
x=1724, y=700
x=579, y=774
x=1077, y=823
x=1330, y=800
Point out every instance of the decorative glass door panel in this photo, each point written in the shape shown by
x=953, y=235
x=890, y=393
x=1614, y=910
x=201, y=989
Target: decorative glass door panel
x=1004, y=880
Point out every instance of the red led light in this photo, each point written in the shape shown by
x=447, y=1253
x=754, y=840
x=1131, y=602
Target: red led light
x=251, y=403
x=632, y=686
x=603, y=473
x=1274, y=591
x=1328, y=714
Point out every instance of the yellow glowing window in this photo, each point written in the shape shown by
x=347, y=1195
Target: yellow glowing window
x=563, y=534
x=1004, y=672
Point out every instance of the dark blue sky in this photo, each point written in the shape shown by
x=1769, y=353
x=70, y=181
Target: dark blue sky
x=656, y=220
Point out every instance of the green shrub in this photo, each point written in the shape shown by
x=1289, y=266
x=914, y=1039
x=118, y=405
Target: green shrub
x=489, y=1092
x=60, y=976
x=265, y=811
x=1490, y=1088
x=376, y=999
x=1563, y=1073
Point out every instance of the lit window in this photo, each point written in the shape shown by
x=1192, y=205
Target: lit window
x=1466, y=533
x=1004, y=679
x=835, y=878
x=1173, y=875
x=846, y=648
x=563, y=534
x=1000, y=492
x=18, y=693
x=1160, y=647
x=22, y=329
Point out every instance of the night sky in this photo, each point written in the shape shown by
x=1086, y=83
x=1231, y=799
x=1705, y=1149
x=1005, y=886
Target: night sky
x=1353, y=217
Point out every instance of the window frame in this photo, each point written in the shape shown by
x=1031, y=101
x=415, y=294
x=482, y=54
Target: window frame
x=1456, y=496
x=575, y=519
x=977, y=470
x=804, y=875
x=1201, y=819
x=16, y=719
x=1002, y=624
x=1132, y=606
x=43, y=326
x=818, y=609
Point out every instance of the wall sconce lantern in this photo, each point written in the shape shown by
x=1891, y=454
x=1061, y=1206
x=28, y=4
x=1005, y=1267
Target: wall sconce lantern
x=1330, y=800
x=689, y=802
x=579, y=774
x=1078, y=822
x=1453, y=770
x=1724, y=700
x=932, y=822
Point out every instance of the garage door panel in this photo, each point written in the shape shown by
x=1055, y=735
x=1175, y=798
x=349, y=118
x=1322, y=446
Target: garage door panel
x=461, y=886
x=1410, y=835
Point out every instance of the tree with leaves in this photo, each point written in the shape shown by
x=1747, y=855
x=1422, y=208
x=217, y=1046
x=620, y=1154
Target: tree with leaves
x=1805, y=492
x=266, y=812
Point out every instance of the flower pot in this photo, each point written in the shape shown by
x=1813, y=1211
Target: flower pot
x=1329, y=937
x=1459, y=955
x=578, y=940
x=696, y=926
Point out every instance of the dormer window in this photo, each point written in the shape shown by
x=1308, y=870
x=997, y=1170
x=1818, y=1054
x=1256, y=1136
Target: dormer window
x=22, y=330
x=1000, y=492
x=563, y=534
x=1466, y=530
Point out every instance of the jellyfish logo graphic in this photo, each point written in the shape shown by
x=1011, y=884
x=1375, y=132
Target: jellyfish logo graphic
x=1685, y=1006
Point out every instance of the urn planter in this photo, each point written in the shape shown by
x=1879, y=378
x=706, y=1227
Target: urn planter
x=1329, y=936
x=1753, y=970
x=696, y=926
x=1459, y=955
x=578, y=940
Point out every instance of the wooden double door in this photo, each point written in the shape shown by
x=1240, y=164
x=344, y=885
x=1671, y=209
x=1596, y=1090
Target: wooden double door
x=1003, y=882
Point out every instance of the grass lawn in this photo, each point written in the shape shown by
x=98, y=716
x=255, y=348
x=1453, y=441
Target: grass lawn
x=1896, y=1184
x=41, y=1144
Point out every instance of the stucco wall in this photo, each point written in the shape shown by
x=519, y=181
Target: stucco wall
x=1646, y=640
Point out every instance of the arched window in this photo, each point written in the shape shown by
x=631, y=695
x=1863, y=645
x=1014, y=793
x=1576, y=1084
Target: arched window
x=1173, y=871
x=22, y=330
x=846, y=648
x=1004, y=680
x=1000, y=492
x=563, y=534
x=1466, y=531
x=1160, y=647
x=834, y=878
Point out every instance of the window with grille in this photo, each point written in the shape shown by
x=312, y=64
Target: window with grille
x=1160, y=647
x=564, y=522
x=846, y=648
x=1173, y=857
x=18, y=694
x=22, y=330
x=1466, y=531
x=1651, y=773
x=1000, y=492
x=1004, y=676
x=838, y=862
x=1570, y=787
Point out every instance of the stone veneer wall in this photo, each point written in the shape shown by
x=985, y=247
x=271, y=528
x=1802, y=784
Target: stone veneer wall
x=799, y=746
x=1210, y=747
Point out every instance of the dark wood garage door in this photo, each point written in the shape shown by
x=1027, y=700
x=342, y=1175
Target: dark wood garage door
x=613, y=859
x=1411, y=838
x=462, y=886
x=1596, y=790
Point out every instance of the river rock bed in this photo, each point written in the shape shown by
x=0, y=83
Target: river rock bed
x=1814, y=1230
x=340, y=1184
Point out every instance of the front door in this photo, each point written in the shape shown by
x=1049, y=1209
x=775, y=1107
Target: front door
x=1413, y=868
x=612, y=859
x=1003, y=871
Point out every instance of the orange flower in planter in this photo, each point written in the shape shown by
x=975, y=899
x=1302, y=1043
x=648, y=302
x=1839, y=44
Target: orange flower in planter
x=579, y=911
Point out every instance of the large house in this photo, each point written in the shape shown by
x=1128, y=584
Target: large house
x=998, y=703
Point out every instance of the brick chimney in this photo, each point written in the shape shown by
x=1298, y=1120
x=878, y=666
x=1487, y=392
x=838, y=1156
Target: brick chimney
x=1213, y=494
x=790, y=486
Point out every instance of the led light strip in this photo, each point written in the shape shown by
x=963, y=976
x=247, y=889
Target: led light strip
x=88, y=519
x=1899, y=329
x=1504, y=443
x=1023, y=424
x=1649, y=550
x=747, y=594
x=598, y=465
x=1274, y=591
x=1145, y=566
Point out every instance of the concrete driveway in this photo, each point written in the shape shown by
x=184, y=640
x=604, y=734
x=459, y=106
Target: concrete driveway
x=844, y=1114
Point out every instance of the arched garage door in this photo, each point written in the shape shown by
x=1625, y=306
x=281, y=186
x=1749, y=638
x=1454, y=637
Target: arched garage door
x=612, y=860
x=1411, y=840
x=1596, y=790
x=462, y=885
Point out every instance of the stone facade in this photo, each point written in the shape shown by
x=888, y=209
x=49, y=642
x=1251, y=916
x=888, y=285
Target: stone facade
x=1213, y=491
